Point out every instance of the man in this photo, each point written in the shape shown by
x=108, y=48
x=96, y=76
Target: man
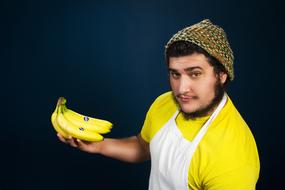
x=194, y=135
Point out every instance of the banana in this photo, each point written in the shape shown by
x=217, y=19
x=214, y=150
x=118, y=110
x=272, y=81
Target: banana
x=70, y=123
x=77, y=131
x=92, y=124
x=55, y=125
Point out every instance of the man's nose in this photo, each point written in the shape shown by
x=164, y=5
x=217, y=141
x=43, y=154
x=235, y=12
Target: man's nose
x=184, y=85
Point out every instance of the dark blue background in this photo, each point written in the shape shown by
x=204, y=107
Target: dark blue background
x=107, y=59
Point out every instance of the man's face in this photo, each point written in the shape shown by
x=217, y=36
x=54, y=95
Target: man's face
x=194, y=84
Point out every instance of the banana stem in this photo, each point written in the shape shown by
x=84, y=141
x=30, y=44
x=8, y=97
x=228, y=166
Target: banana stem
x=61, y=101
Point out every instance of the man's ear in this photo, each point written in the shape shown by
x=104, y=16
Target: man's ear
x=223, y=77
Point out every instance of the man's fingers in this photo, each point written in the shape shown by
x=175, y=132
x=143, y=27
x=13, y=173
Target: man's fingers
x=61, y=138
x=77, y=143
x=81, y=143
x=70, y=140
x=73, y=142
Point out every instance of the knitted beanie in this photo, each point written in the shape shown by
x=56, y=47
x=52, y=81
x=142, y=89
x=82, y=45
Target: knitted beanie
x=212, y=39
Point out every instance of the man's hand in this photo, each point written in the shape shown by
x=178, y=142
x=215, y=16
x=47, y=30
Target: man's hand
x=91, y=147
x=132, y=149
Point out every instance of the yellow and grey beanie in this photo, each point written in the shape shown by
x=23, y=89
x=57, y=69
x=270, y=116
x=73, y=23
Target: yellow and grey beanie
x=212, y=39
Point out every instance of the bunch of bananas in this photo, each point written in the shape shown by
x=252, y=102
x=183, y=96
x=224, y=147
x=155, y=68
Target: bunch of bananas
x=69, y=123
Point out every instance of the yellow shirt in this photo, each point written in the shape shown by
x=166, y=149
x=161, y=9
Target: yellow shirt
x=227, y=156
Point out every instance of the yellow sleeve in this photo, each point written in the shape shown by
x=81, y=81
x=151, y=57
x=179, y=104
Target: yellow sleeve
x=243, y=178
x=158, y=114
x=145, y=132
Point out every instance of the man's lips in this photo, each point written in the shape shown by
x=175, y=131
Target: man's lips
x=186, y=98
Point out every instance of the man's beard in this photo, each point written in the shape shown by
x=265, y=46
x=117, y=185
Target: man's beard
x=219, y=93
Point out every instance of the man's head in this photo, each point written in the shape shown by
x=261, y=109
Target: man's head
x=200, y=64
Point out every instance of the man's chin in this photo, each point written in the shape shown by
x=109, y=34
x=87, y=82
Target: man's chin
x=193, y=114
x=186, y=111
x=188, y=108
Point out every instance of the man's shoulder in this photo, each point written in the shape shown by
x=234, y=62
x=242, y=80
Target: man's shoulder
x=159, y=113
x=165, y=96
x=229, y=125
x=230, y=128
x=164, y=100
x=163, y=104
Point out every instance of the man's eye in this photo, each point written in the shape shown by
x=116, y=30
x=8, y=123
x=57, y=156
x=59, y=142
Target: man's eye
x=195, y=74
x=174, y=74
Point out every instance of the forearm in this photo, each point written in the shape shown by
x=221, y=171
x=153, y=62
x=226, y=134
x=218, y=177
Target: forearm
x=128, y=149
x=131, y=149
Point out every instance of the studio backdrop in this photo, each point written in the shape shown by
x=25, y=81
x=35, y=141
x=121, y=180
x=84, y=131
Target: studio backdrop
x=107, y=59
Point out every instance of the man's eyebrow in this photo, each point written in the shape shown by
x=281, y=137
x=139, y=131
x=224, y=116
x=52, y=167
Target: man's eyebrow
x=193, y=68
x=189, y=69
x=172, y=70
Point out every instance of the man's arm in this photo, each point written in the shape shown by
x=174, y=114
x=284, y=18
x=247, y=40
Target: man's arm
x=132, y=149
